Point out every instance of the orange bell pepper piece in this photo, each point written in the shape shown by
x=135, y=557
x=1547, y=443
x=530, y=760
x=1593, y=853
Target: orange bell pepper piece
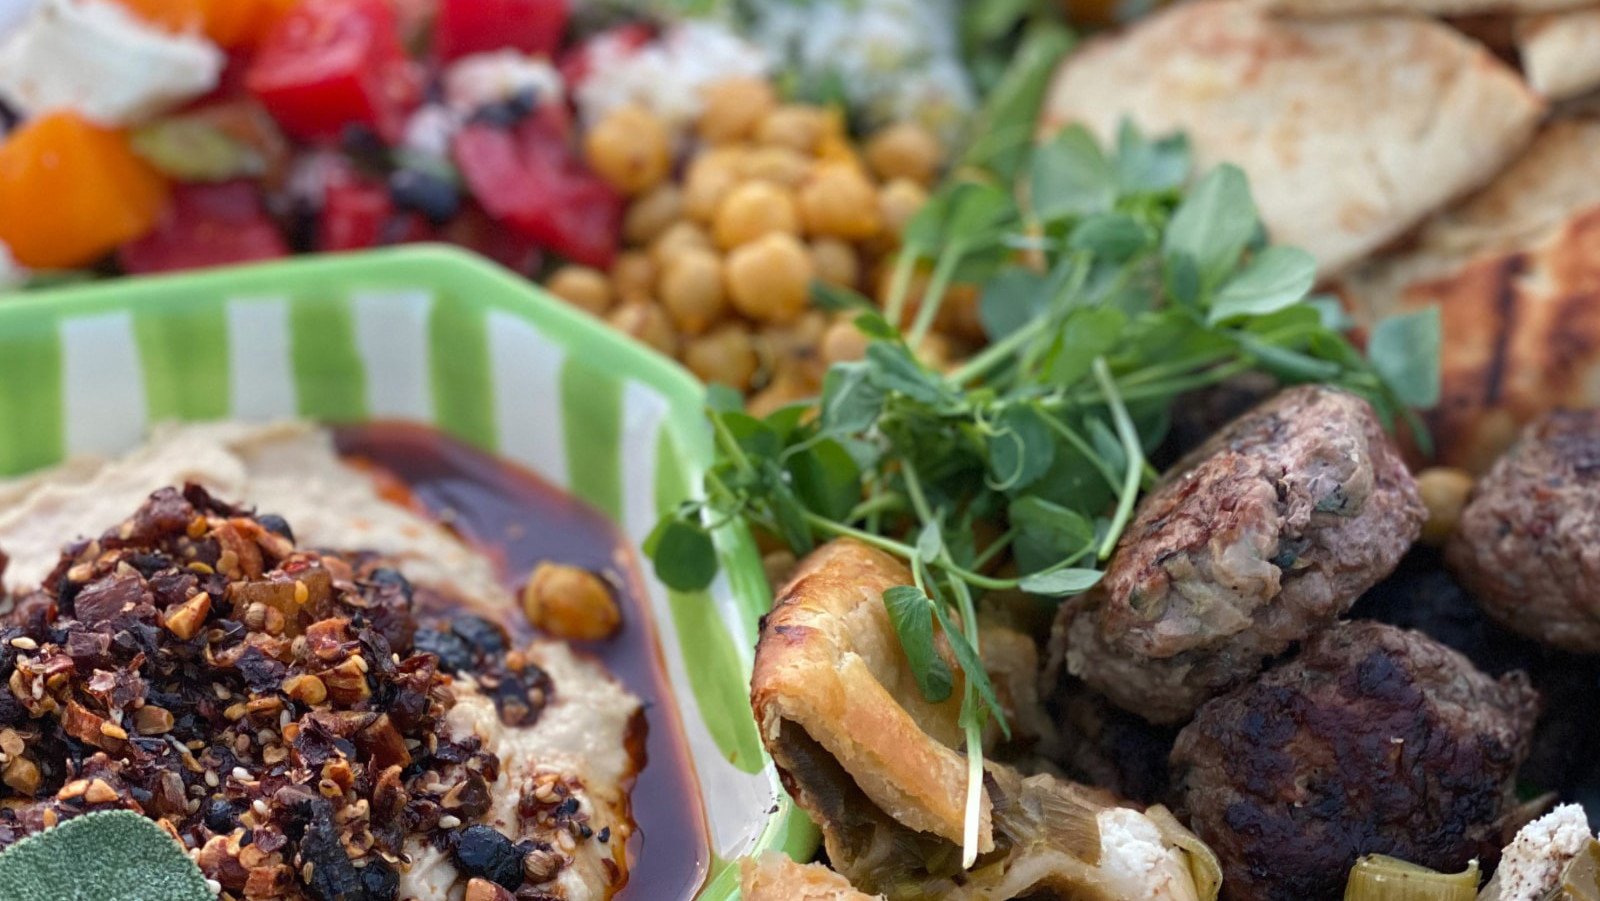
x=242, y=23
x=71, y=191
x=229, y=23
x=172, y=15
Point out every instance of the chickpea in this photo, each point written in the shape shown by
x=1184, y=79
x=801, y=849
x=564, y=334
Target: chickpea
x=633, y=275
x=837, y=201
x=837, y=262
x=784, y=390
x=570, y=603
x=725, y=355
x=936, y=351
x=734, y=109
x=769, y=279
x=843, y=342
x=645, y=320
x=650, y=215
x=679, y=238
x=691, y=290
x=905, y=150
x=794, y=349
x=839, y=150
x=583, y=287
x=710, y=178
x=779, y=165
x=958, y=314
x=797, y=126
x=629, y=148
x=898, y=201
x=753, y=210
x=1444, y=492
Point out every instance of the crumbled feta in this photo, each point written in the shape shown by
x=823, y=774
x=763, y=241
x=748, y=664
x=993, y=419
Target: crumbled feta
x=12, y=14
x=1136, y=863
x=667, y=75
x=429, y=130
x=11, y=273
x=894, y=59
x=96, y=58
x=1533, y=861
x=478, y=80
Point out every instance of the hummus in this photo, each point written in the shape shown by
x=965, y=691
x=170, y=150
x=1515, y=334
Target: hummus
x=561, y=789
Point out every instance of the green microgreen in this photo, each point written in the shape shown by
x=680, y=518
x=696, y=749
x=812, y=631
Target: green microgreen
x=1108, y=290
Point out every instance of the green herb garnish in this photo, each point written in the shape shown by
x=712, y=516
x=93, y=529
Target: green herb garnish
x=107, y=856
x=1108, y=291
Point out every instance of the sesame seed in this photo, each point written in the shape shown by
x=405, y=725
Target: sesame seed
x=260, y=807
x=241, y=774
x=25, y=643
x=213, y=886
x=212, y=780
x=449, y=822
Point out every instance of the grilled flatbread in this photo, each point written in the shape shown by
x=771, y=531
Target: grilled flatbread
x=1515, y=271
x=1561, y=51
x=1329, y=8
x=1352, y=130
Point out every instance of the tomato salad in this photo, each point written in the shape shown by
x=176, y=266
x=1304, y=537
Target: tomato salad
x=302, y=125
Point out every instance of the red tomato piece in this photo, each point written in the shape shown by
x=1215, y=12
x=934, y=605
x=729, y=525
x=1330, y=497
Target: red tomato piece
x=474, y=230
x=358, y=212
x=330, y=63
x=478, y=26
x=207, y=225
x=529, y=179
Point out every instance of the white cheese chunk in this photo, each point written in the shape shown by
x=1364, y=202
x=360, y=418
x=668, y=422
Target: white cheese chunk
x=483, y=78
x=97, y=59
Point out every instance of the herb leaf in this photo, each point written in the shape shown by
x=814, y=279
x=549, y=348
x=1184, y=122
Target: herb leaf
x=685, y=559
x=1214, y=223
x=911, y=614
x=1405, y=351
x=108, y=856
x=1061, y=582
x=1275, y=279
x=1071, y=177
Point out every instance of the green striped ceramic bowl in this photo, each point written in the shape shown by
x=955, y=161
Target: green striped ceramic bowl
x=438, y=336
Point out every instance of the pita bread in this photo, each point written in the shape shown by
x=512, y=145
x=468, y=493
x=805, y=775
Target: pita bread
x=1561, y=52
x=1516, y=273
x=1329, y=8
x=774, y=877
x=1352, y=130
x=866, y=757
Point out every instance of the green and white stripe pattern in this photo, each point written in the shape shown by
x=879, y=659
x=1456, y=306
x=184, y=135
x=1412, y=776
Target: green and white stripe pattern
x=436, y=336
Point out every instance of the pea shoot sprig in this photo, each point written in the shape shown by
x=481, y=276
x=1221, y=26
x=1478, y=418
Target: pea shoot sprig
x=1111, y=284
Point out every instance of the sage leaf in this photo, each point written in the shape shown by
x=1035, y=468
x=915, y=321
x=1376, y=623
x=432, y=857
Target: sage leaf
x=114, y=855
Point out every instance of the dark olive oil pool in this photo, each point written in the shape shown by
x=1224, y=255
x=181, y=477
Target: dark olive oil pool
x=520, y=521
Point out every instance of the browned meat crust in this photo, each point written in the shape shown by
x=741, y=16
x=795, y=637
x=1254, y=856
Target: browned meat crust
x=1375, y=740
x=1529, y=541
x=1265, y=534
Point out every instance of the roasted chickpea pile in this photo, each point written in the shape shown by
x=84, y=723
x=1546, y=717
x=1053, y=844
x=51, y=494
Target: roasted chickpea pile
x=721, y=251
